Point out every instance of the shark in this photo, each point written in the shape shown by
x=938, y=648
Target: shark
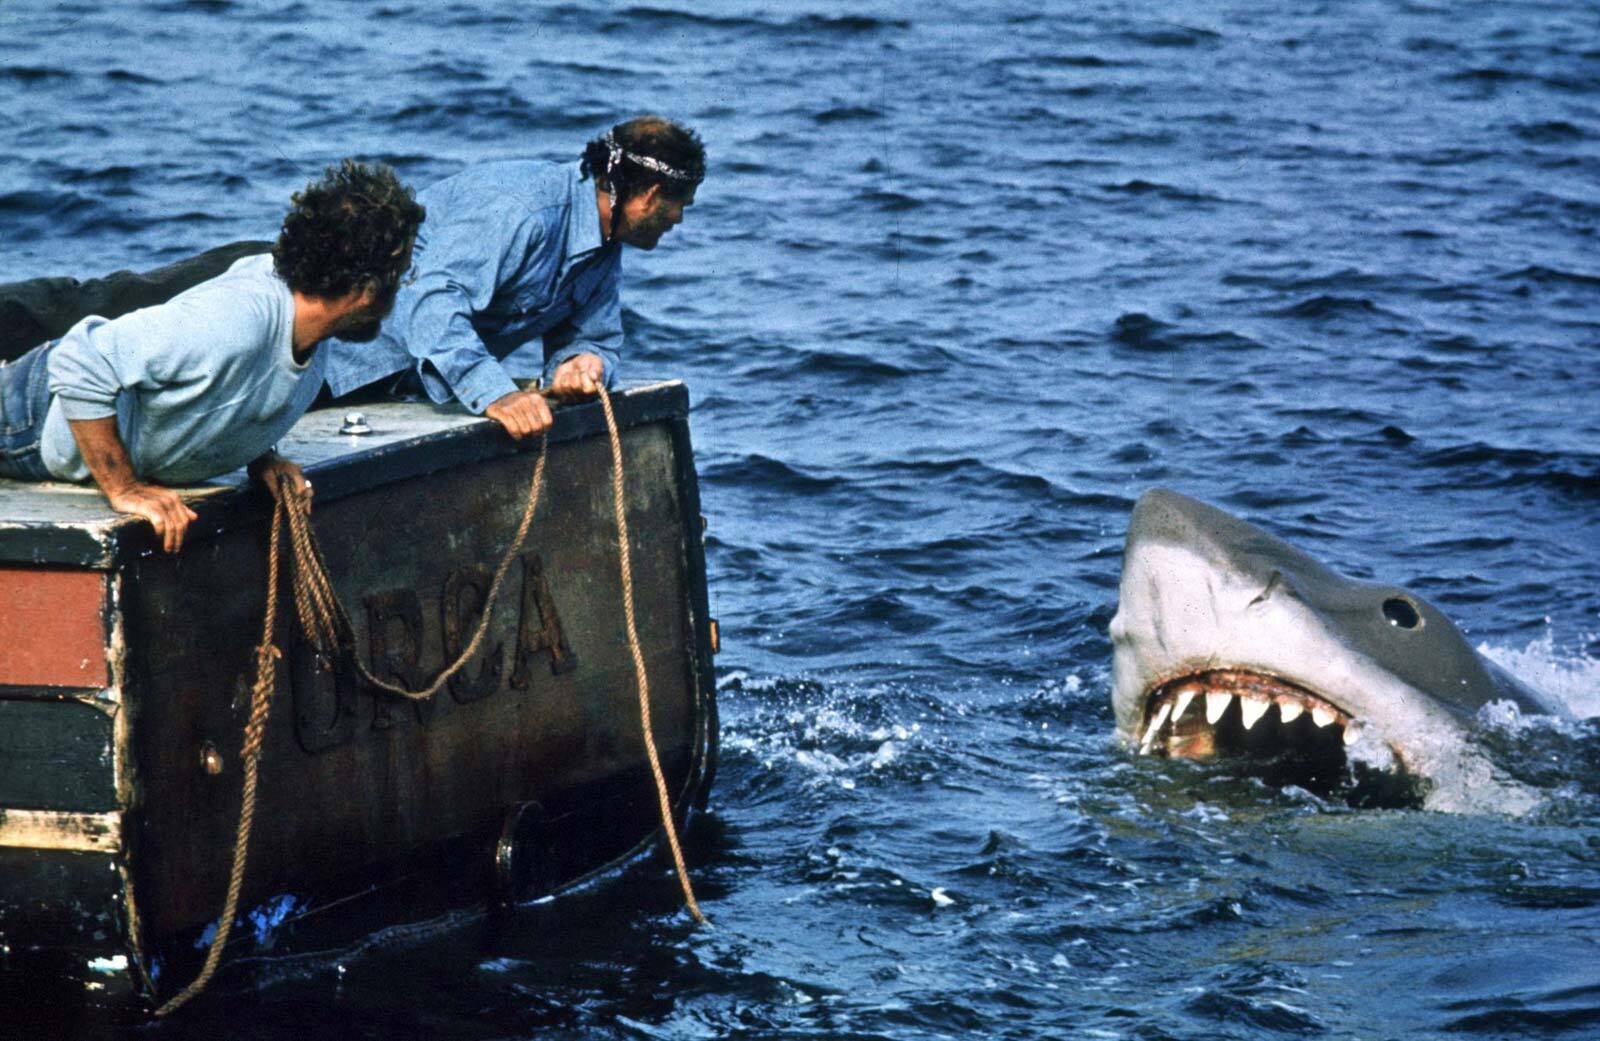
x=1229, y=642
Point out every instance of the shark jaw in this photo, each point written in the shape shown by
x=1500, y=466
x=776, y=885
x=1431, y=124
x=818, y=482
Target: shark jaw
x=1278, y=730
x=1217, y=712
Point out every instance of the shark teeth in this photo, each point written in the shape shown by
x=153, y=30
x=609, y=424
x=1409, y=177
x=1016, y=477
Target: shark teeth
x=1172, y=729
x=1216, y=704
x=1156, y=724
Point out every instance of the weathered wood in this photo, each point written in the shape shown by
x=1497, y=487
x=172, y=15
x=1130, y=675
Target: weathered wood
x=387, y=774
x=64, y=832
x=359, y=788
x=52, y=627
x=71, y=900
x=56, y=755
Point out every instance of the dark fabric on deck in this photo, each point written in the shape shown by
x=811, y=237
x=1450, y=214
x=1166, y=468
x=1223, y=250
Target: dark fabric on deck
x=41, y=309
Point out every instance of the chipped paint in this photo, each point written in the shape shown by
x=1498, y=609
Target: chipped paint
x=125, y=773
x=52, y=623
x=61, y=830
x=134, y=925
x=68, y=527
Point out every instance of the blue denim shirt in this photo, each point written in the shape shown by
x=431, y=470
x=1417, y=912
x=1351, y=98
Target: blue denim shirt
x=510, y=279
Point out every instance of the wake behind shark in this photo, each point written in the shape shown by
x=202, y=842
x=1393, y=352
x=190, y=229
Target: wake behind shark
x=1229, y=641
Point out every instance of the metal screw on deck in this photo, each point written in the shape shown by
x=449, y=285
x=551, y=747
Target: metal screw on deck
x=355, y=423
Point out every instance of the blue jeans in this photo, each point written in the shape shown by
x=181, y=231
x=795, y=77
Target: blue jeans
x=24, y=400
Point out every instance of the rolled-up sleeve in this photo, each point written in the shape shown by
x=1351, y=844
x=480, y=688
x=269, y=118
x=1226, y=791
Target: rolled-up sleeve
x=457, y=275
x=84, y=371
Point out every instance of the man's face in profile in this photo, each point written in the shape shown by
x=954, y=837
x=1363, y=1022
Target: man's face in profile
x=647, y=217
x=363, y=325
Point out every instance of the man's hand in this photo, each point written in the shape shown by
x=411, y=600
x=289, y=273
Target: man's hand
x=278, y=473
x=580, y=376
x=162, y=507
x=522, y=412
x=107, y=459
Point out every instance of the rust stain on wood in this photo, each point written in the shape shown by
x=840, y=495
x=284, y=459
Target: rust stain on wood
x=52, y=627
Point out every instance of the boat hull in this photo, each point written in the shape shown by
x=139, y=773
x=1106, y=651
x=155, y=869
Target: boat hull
x=525, y=775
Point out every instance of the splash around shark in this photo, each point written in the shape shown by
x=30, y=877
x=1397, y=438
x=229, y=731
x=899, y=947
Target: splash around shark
x=1230, y=642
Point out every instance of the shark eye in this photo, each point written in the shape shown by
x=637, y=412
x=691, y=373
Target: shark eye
x=1401, y=612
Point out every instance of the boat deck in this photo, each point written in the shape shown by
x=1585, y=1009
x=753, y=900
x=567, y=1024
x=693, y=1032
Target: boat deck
x=55, y=522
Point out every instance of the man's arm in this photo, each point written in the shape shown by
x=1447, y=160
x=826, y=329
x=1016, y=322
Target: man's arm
x=88, y=370
x=467, y=258
x=107, y=458
x=584, y=351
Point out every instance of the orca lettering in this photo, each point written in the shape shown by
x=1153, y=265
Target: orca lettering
x=328, y=692
x=394, y=626
x=469, y=584
x=538, y=627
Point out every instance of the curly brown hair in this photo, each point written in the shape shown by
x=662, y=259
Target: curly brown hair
x=352, y=230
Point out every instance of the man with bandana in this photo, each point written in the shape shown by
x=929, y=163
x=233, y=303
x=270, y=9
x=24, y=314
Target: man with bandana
x=518, y=272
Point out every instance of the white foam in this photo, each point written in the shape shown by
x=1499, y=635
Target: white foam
x=825, y=738
x=1370, y=749
x=1571, y=677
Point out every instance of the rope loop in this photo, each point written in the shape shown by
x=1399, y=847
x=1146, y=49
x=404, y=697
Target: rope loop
x=326, y=625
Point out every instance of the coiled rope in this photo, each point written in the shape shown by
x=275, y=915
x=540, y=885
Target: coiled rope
x=327, y=626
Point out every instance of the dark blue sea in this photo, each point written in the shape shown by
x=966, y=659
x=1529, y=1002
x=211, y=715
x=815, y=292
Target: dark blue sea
x=962, y=282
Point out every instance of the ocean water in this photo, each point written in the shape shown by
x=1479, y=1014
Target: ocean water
x=963, y=281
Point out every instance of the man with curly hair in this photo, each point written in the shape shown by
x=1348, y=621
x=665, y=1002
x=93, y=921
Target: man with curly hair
x=208, y=381
x=518, y=276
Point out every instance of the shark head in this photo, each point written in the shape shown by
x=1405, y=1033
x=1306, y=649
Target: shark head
x=1229, y=641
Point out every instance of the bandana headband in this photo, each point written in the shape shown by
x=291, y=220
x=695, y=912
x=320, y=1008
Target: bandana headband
x=617, y=155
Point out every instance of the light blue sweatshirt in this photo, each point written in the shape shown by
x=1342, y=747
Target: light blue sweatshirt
x=200, y=385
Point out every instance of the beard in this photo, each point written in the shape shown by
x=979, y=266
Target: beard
x=364, y=325
x=646, y=232
x=361, y=328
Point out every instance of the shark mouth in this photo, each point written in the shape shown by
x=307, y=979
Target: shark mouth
x=1205, y=714
x=1298, y=736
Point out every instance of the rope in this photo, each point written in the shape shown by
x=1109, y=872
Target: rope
x=260, y=706
x=638, y=661
x=327, y=625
